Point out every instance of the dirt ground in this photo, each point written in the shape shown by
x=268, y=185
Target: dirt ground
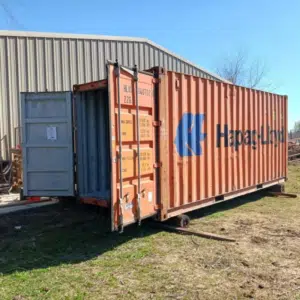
x=64, y=252
x=9, y=198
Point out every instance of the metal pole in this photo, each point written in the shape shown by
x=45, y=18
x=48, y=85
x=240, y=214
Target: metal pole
x=138, y=144
x=120, y=223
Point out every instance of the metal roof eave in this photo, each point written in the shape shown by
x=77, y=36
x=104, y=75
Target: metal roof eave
x=29, y=34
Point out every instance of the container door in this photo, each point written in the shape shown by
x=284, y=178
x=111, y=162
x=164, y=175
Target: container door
x=131, y=96
x=47, y=144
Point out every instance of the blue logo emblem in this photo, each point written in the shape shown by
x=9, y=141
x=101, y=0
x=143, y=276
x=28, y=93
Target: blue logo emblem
x=189, y=135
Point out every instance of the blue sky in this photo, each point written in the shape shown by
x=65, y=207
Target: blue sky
x=204, y=32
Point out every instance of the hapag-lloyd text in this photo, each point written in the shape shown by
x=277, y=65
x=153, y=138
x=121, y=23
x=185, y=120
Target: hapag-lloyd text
x=236, y=138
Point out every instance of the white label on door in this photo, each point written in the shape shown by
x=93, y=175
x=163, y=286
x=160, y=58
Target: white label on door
x=51, y=133
x=150, y=196
x=128, y=205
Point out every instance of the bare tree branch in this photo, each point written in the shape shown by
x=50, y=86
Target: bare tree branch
x=257, y=71
x=234, y=69
x=239, y=71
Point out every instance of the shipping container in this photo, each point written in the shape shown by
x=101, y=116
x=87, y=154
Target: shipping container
x=115, y=165
x=217, y=141
x=159, y=143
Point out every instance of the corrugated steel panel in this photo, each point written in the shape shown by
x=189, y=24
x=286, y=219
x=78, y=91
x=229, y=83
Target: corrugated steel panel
x=47, y=146
x=217, y=141
x=38, y=62
x=115, y=144
x=132, y=143
x=92, y=144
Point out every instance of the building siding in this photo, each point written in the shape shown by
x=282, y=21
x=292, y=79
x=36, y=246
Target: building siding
x=39, y=64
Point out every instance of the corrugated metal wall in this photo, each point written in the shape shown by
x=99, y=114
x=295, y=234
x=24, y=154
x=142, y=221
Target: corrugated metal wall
x=92, y=147
x=47, y=144
x=218, y=139
x=39, y=64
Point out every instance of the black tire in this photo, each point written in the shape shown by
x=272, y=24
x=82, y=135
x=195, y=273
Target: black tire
x=278, y=188
x=183, y=221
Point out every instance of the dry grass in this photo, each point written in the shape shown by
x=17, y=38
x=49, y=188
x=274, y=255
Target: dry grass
x=82, y=262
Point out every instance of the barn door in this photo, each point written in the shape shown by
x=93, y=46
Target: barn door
x=131, y=96
x=47, y=144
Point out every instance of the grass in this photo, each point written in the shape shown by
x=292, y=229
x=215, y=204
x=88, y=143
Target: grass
x=51, y=259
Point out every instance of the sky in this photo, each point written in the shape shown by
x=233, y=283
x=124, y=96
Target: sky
x=204, y=32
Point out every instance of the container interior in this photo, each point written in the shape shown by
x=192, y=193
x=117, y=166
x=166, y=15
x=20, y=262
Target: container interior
x=92, y=145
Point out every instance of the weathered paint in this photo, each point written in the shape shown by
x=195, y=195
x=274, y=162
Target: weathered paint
x=217, y=140
x=210, y=141
x=128, y=209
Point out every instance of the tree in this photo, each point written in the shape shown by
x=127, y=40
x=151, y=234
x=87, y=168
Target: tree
x=297, y=126
x=240, y=71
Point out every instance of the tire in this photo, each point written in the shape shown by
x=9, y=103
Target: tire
x=278, y=188
x=183, y=221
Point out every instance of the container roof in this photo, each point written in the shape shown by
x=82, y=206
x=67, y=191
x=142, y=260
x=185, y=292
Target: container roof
x=8, y=33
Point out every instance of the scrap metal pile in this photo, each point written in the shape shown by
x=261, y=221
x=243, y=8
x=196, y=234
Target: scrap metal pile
x=17, y=170
x=5, y=175
x=294, y=151
x=11, y=172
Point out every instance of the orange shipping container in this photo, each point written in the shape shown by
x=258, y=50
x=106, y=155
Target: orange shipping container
x=179, y=142
x=217, y=141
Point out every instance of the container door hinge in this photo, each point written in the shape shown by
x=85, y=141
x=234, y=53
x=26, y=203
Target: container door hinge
x=156, y=123
x=155, y=80
x=157, y=165
x=158, y=206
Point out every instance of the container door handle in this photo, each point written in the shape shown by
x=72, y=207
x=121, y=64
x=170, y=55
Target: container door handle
x=120, y=220
x=135, y=69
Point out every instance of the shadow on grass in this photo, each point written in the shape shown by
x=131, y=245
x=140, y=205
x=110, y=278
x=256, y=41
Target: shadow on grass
x=61, y=234
x=226, y=205
x=58, y=235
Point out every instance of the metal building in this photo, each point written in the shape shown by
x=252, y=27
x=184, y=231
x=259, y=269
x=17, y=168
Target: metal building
x=38, y=62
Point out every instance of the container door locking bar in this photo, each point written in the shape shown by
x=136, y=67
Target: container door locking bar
x=138, y=144
x=120, y=221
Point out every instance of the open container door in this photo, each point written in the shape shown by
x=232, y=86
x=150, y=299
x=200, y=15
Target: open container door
x=131, y=99
x=47, y=144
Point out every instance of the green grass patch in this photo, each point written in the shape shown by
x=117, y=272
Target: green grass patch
x=84, y=262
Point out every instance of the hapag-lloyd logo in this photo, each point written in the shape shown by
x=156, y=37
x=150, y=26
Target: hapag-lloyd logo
x=190, y=136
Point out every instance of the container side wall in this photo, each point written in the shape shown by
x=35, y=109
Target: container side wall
x=220, y=139
x=92, y=148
